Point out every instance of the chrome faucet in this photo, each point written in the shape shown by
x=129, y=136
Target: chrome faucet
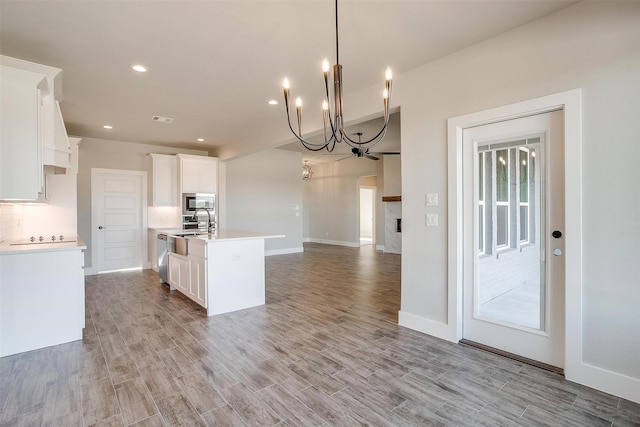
x=209, y=223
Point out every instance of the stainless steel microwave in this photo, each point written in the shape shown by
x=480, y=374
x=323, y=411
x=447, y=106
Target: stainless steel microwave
x=193, y=201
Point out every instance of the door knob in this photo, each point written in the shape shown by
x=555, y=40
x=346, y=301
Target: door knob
x=557, y=234
x=101, y=227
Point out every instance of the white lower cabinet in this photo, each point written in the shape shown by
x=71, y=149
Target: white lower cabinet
x=41, y=299
x=198, y=282
x=188, y=275
x=179, y=272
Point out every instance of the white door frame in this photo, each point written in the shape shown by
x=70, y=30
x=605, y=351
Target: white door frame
x=576, y=369
x=570, y=102
x=144, y=245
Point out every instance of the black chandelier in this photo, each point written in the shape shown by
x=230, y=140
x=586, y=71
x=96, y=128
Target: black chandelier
x=332, y=118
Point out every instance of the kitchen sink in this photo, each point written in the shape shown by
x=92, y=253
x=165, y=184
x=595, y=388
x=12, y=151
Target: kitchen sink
x=181, y=244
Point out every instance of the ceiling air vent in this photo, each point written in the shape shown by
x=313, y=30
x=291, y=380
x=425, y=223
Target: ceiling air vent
x=161, y=119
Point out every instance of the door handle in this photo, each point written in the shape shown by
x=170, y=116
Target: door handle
x=556, y=234
x=101, y=227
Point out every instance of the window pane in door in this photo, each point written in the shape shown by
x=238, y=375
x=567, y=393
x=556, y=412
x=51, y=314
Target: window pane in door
x=524, y=223
x=524, y=175
x=503, y=225
x=480, y=176
x=481, y=228
x=502, y=175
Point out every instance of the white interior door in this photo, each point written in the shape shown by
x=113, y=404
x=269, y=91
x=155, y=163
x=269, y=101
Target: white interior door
x=118, y=225
x=513, y=225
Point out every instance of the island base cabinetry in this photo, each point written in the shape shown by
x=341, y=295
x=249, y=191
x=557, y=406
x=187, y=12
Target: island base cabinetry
x=236, y=275
x=188, y=275
x=179, y=272
x=221, y=274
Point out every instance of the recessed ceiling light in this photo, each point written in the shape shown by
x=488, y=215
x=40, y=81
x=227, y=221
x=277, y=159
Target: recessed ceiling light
x=107, y=127
x=139, y=68
x=273, y=102
x=200, y=139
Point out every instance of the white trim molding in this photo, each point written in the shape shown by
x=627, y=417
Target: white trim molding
x=284, y=251
x=575, y=368
x=333, y=242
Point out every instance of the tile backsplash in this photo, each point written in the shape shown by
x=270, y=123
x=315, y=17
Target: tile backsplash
x=10, y=216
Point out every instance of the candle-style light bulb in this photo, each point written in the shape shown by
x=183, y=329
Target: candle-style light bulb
x=285, y=83
x=325, y=66
x=298, y=102
x=387, y=73
x=385, y=94
x=325, y=105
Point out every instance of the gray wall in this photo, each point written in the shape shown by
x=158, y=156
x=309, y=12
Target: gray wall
x=261, y=193
x=332, y=200
x=100, y=153
x=591, y=45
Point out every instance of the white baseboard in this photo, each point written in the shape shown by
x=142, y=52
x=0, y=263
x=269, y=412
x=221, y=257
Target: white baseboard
x=334, y=242
x=89, y=271
x=602, y=379
x=283, y=251
x=427, y=326
x=380, y=248
x=591, y=376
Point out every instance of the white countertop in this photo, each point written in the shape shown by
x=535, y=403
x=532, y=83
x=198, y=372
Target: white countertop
x=9, y=247
x=226, y=235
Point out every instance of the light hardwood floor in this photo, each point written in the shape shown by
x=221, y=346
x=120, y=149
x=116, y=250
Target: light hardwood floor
x=324, y=350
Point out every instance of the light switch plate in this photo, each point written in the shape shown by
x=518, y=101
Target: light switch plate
x=432, y=199
x=432, y=220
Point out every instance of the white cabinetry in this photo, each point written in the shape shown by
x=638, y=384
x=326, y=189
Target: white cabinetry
x=188, y=274
x=164, y=181
x=198, y=271
x=21, y=174
x=33, y=139
x=41, y=299
x=179, y=272
x=198, y=174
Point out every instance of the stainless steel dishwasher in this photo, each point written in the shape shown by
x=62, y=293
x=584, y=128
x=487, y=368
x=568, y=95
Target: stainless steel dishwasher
x=164, y=247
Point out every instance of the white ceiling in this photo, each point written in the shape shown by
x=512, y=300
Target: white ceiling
x=213, y=65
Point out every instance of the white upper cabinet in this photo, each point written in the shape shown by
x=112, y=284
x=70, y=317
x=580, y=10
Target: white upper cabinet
x=21, y=134
x=198, y=174
x=164, y=180
x=33, y=139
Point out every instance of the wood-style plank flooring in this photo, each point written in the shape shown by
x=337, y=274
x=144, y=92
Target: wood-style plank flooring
x=324, y=350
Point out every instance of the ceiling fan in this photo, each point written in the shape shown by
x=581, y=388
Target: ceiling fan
x=359, y=152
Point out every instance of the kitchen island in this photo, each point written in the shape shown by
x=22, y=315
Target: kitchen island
x=223, y=271
x=41, y=294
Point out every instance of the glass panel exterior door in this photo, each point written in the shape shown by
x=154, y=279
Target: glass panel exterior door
x=513, y=268
x=509, y=286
